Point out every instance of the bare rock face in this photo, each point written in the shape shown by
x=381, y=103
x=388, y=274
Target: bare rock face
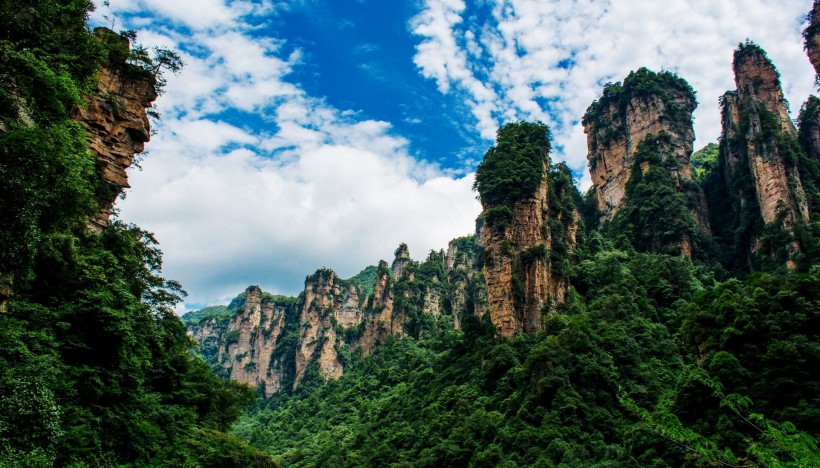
x=379, y=322
x=521, y=285
x=623, y=118
x=245, y=346
x=327, y=303
x=755, y=125
x=117, y=125
x=507, y=277
x=400, y=263
x=273, y=342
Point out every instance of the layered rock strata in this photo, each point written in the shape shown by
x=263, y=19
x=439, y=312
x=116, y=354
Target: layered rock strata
x=275, y=346
x=623, y=118
x=756, y=129
x=117, y=124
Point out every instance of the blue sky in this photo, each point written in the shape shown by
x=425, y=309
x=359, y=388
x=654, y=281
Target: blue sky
x=319, y=133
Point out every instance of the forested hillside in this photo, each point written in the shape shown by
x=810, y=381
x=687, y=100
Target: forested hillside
x=96, y=367
x=668, y=317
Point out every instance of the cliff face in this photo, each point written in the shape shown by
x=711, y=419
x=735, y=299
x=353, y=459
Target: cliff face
x=639, y=141
x=117, y=125
x=518, y=291
x=517, y=236
x=623, y=118
x=275, y=343
x=759, y=153
x=247, y=345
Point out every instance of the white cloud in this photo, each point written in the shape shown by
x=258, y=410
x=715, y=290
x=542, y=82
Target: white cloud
x=233, y=206
x=563, y=51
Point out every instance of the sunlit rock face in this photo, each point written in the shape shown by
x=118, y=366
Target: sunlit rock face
x=116, y=121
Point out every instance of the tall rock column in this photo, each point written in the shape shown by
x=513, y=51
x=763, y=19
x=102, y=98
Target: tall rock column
x=646, y=104
x=644, y=124
x=760, y=140
x=328, y=303
x=514, y=189
x=256, y=332
x=117, y=123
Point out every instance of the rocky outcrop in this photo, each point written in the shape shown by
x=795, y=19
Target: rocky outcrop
x=117, y=124
x=643, y=124
x=517, y=237
x=757, y=146
x=379, y=320
x=401, y=261
x=328, y=307
x=274, y=343
x=623, y=118
x=247, y=345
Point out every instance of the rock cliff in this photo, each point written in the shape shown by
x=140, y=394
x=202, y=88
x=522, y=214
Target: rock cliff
x=517, y=236
x=641, y=124
x=276, y=343
x=250, y=344
x=759, y=160
x=117, y=123
x=646, y=104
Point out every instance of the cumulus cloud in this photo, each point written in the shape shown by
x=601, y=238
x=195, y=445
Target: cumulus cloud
x=234, y=204
x=531, y=59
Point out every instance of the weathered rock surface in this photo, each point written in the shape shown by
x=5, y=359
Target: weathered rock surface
x=274, y=346
x=648, y=106
x=756, y=124
x=117, y=124
x=614, y=133
x=521, y=285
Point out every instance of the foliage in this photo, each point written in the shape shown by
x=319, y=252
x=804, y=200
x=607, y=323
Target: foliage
x=366, y=278
x=656, y=216
x=704, y=161
x=217, y=312
x=514, y=168
x=640, y=368
x=95, y=367
x=606, y=117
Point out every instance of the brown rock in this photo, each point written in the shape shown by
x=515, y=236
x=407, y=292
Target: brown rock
x=753, y=117
x=614, y=134
x=117, y=124
x=520, y=286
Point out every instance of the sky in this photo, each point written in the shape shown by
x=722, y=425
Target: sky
x=323, y=133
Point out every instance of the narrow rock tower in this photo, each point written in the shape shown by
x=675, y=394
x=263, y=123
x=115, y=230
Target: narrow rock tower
x=514, y=187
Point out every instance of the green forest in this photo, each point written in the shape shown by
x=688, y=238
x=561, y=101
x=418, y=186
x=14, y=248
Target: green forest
x=97, y=368
x=655, y=358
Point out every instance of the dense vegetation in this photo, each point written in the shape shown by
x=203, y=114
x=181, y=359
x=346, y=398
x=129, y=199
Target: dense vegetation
x=606, y=116
x=704, y=161
x=652, y=363
x=96, y=367
x=655, y=359
x=657, y=215
x=512, y=170
x=734, y=210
